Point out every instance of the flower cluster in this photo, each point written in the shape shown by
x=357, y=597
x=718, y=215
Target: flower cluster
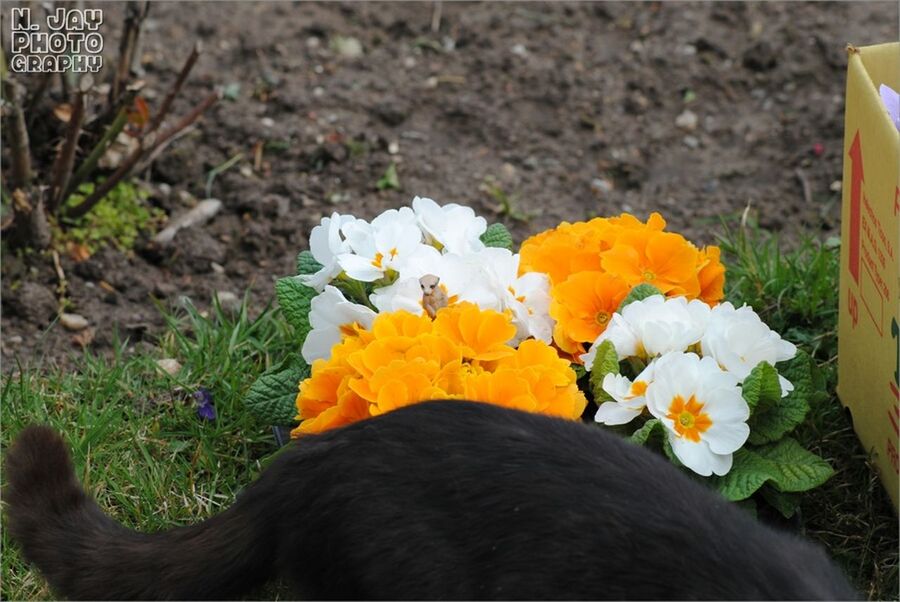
x=405, y=358
x=594, y=265
x=690, y=360
x=416, y=259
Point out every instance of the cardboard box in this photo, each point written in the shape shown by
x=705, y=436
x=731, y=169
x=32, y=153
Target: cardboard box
x=868, y=331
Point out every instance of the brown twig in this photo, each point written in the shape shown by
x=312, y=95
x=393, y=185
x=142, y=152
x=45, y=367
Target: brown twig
x=18, y=136
x=176, y=88
x=135, y=14
x=146, y=145
x=65, y=160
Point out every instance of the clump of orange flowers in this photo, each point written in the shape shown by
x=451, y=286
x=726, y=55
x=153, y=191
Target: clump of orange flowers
x=406, y=358
x=593, y=266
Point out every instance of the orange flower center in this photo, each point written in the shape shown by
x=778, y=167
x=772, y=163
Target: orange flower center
x=602, y=317
x=638, y=387
x=377, y=261
x=649, y=276
x=689, y=418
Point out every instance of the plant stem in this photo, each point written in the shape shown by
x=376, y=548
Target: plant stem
x=88, y=166
x=176, y=88
x=18, y=136
x=65, y=160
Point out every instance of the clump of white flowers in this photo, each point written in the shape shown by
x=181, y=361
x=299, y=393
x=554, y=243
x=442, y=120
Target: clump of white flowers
x=691, y=360
x=384, y=262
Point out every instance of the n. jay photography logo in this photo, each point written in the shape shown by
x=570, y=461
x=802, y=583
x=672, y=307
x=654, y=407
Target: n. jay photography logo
x=69, y=40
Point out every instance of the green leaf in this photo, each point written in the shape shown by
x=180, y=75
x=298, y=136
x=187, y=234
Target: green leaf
x=642, y=435
x=272, y=398
x=294, y=297
x=786, y=503
x=785, y=464
x=605, y=362
x=638, y=293
x=307, y=264
x=761, y=388
x=390, y=180
x=795, y=468
x=580, y=371
x=497, y=235
x=748, y=473
x=773, y=422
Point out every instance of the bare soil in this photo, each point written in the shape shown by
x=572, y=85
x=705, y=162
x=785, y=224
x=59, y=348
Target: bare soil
x=569, y=109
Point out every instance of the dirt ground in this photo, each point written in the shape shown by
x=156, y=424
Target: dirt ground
x=569, y=110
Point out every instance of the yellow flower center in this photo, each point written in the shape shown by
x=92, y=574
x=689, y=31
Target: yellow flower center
x=689, y=418
x=393, y=252
x=648, y=276
x=602, y=317
x=638, y=387
x=377, y=261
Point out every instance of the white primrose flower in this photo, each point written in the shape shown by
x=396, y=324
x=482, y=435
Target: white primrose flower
x=326, y=243
x=738, y=340
x=454, y=227
x=330, y=316
x=653, y=326
x=385, y=244
x=527, y=296
x=702, y=409
x=629, y=397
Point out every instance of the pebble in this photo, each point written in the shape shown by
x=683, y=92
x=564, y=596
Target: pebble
x=169, y=365
x=14, y=340
x=267, y=122
x=691, y=142
x=73, y=322
x=318, y=91
x=203, y=212
x=835, y=186
x=347, y=47
x=519, y=50
x=409, y=62
x=393, y=148
x=228, y=301
x=687, y=121
x=217, y=267
x=601, y=186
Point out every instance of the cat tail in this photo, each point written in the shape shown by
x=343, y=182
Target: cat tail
x=84, y=554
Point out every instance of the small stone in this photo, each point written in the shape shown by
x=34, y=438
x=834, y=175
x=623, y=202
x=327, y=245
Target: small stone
x=409, y=62
x=687, y=121
x=73, y=322
x=393, y=148
x=14, y=340
x=313, y=42
x=347, y=47
x=835, y=186
x=246, y=171
x=519, y=50
x=217, y=267
x=601, y=186
x=267, y=122
x=691, y=142
x=169, y=365
x=636, y=46
x=318, y=91
x=688, y=50
x=228, y=301
x=431, y=82
x=508, y=172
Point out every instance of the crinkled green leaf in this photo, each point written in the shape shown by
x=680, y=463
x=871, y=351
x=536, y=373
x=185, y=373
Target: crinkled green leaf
x=605, y=362
x=748, y=473
x=772, y=422
x=796, y=469
x=641, y=435
x=272, y=398
x=497, y=235
x=294, y=297
x=761, y=388
x=639, y=293
x=786, y=465
x=580, y=371
x=786, y=503
x=307, y=264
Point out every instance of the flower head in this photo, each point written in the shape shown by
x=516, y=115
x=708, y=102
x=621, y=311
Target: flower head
x=331, y=315
x=326, y=244
x=629, y=397
x=702, y=409
x=653, y=326
x=738, y=340
x=583, y=306
x=452, y=228
x=390, y=241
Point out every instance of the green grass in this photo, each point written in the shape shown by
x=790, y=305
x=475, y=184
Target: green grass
x=137, y=442
x=152, y=463
x=796, y=293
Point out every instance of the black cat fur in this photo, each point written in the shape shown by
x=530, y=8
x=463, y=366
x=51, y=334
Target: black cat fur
x=441, y=500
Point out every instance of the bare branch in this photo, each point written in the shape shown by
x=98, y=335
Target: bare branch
x=135, y=15
x=65, y=160
x=176, y=88
x=88, y=166
x=18, y=135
